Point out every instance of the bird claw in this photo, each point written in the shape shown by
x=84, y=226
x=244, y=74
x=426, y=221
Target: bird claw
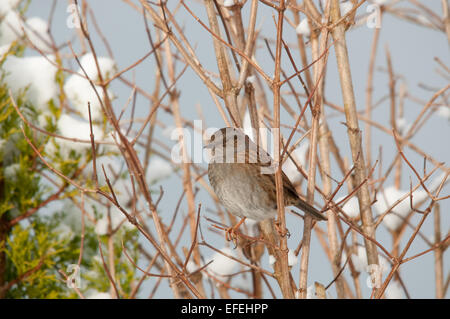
x=282, y=232
x=231, y=233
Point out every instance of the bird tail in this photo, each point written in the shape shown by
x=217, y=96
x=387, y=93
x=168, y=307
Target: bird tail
x=307, y=208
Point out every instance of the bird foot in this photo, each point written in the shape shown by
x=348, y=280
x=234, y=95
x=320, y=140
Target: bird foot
x=282, y=232
x=231, y=233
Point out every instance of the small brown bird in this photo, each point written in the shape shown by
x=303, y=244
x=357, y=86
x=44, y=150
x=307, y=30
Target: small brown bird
x=243, y=178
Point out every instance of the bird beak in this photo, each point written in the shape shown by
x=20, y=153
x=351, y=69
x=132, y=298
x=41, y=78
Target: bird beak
x=209, y=145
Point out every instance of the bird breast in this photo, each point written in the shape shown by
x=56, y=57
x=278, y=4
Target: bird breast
x=239, y=191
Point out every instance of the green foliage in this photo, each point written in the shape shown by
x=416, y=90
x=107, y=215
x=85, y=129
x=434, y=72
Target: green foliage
x=125, y=271
x=18, y=177
x=52, y=243
x=35, y=251
x=34, y=245
x=49, y=241
x=37, y=246
x=49, y=245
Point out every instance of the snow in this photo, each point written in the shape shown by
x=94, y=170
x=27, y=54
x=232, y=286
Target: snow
x=122, y=188
x=299, y=154
x=107, y=66
x=252, y=227
x=250, y=79
x=72, y=127
x=424, y=20
x=7, y=5
x=117, y=217
x=72, y=217
x=9, y=149
x=79, y=91
x=64, y=232
x=99, y=295
x=444, y=111
x=360, y=261
x=394, y=290
x=36, y=31
x=10, y=171
x=2, y=144
x=343, y=257
x=112, y=166
x=402, y=125
x=228, y=3
x=311, y=292
x=303, y=28
x=271, y=260
x=4, y=49
x=101, y=227
x=292, y=259
x=380, y=2
x=248, y=129
x=191, y=267
x=10, y=28
x=113, y=140
x=351, y=207
x=158, y=169
x=394, y=219
x=167, y=131
x=221, y=265
x=345, y=7
x=36, y=74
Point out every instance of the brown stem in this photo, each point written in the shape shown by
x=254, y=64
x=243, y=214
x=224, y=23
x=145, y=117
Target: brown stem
x=224, y=66
x=354, y=133
x=369, y=94
x=281, y=264
x=398, y=261
x=438, y=255
x=446, y=18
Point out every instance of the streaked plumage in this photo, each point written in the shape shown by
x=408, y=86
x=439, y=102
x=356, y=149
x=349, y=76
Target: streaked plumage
x=240, y=175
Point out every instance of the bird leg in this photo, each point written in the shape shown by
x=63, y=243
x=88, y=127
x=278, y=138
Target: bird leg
x=281, y=232
x=231, y=232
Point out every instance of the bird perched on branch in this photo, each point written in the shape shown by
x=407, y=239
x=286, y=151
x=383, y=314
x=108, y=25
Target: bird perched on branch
x=243, y=177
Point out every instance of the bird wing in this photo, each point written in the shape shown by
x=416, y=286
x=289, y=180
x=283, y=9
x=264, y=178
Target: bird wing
x=290, y=194
x=264, y=164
